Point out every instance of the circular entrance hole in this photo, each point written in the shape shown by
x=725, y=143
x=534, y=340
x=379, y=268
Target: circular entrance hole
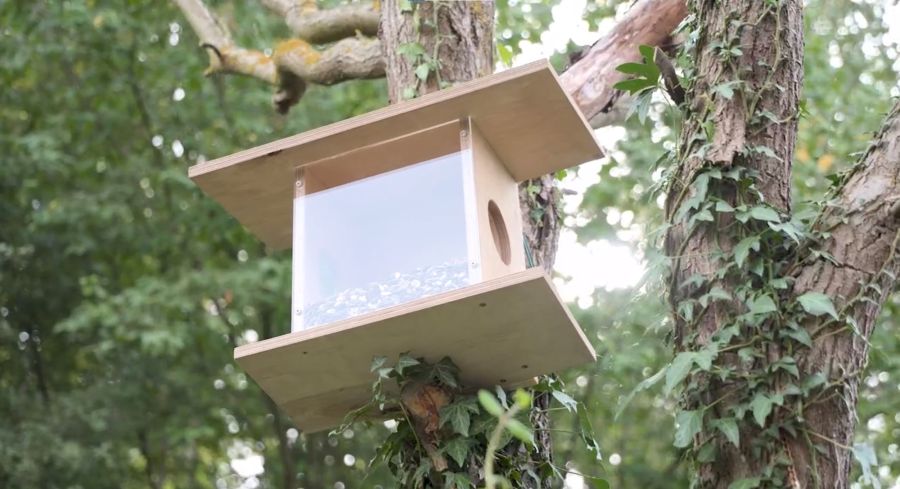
x=498, y=231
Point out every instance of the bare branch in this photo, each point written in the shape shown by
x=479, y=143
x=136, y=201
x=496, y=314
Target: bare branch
x=316, y=26
x=293, y=64
x=590, y=80
x=298, y=62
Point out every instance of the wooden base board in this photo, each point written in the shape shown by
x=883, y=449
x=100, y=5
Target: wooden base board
x=501, y=332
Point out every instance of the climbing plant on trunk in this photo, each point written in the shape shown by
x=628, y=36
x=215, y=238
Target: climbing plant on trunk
x=772, y=310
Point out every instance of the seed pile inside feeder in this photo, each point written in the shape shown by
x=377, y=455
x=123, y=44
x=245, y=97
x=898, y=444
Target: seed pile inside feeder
x=401, y=288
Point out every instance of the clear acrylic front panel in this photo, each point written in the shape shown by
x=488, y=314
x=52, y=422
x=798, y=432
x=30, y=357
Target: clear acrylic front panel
x=382, y=241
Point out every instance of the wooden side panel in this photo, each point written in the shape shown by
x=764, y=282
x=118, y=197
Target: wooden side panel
x=499, y=216
x=500, y=332
x=385, y=156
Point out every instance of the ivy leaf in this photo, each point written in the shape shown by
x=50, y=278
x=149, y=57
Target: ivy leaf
x=447, y=372
x=817, y=304
x=762, y=305
x=688, y=424
x=458, y=414
x=566, y=400
x=405, y=361
x=457, y=480
x=704, y=358
x=422, y=71
x=742, y=249
x=678, y=370
x=421, y=471
x=750, y=483
x=865, y=455
x=799, y=334
x=716, y=293
x=377, y=363
x=762, y=213
x=458, y=449
x=722, y=206
x=761, y=405
x=729, y=428
x=411, y=50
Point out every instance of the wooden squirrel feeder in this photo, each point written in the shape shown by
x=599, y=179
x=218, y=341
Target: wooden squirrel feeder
x=407, y=237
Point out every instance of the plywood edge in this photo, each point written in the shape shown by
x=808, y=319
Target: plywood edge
x=571, y=318
x=277, y=146
x=289, y=339
x=587, y=125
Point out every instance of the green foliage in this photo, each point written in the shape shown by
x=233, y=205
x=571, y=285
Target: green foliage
x=480, y=429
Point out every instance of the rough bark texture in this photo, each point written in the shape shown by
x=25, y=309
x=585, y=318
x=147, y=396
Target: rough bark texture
x=761, y=42
x=590, y=80
x=460, y=35
x=865, y=228
x=766, y=40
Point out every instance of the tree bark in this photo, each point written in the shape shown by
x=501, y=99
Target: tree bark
x=458, y=36
x=591, y=78
x=864, y=225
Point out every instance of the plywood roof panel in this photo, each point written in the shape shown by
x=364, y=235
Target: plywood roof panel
x=526, y=116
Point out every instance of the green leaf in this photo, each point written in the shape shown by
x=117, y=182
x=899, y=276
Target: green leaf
x=458, y=449
x=750, y=483
x=762, y=305
x=377, y=363
x=678, y=370
x=635, y=85
x=817, y=304
x=687, y=424
x=762, y=213
x=489, y=403
x=457, y=480
x=729, y=428
x=505, y=53
x=865, y=455
x=422, y=71
x=405, y=361
x=647, y=71
x=761, y=405
x=446, y=372
x=742, y=249
x=409, y=93
x=520, y=431
x=722, y=206
x=799, y=334
x=522, y=398
x=566, y=400
x=411, y=50
x=458, y=414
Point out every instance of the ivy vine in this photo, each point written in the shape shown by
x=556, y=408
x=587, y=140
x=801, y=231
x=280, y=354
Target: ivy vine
x=470, y=438
x=741, y=385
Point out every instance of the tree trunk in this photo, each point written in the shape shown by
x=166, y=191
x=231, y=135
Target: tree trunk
x=791, y=429
x=459, y=35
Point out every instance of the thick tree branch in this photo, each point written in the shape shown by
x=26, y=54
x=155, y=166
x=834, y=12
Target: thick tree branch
x=293, y=64
x=316, y=26
x=590, y=80
x=864, y=227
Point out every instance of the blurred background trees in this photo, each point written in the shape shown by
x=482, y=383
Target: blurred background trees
x=123, y=289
